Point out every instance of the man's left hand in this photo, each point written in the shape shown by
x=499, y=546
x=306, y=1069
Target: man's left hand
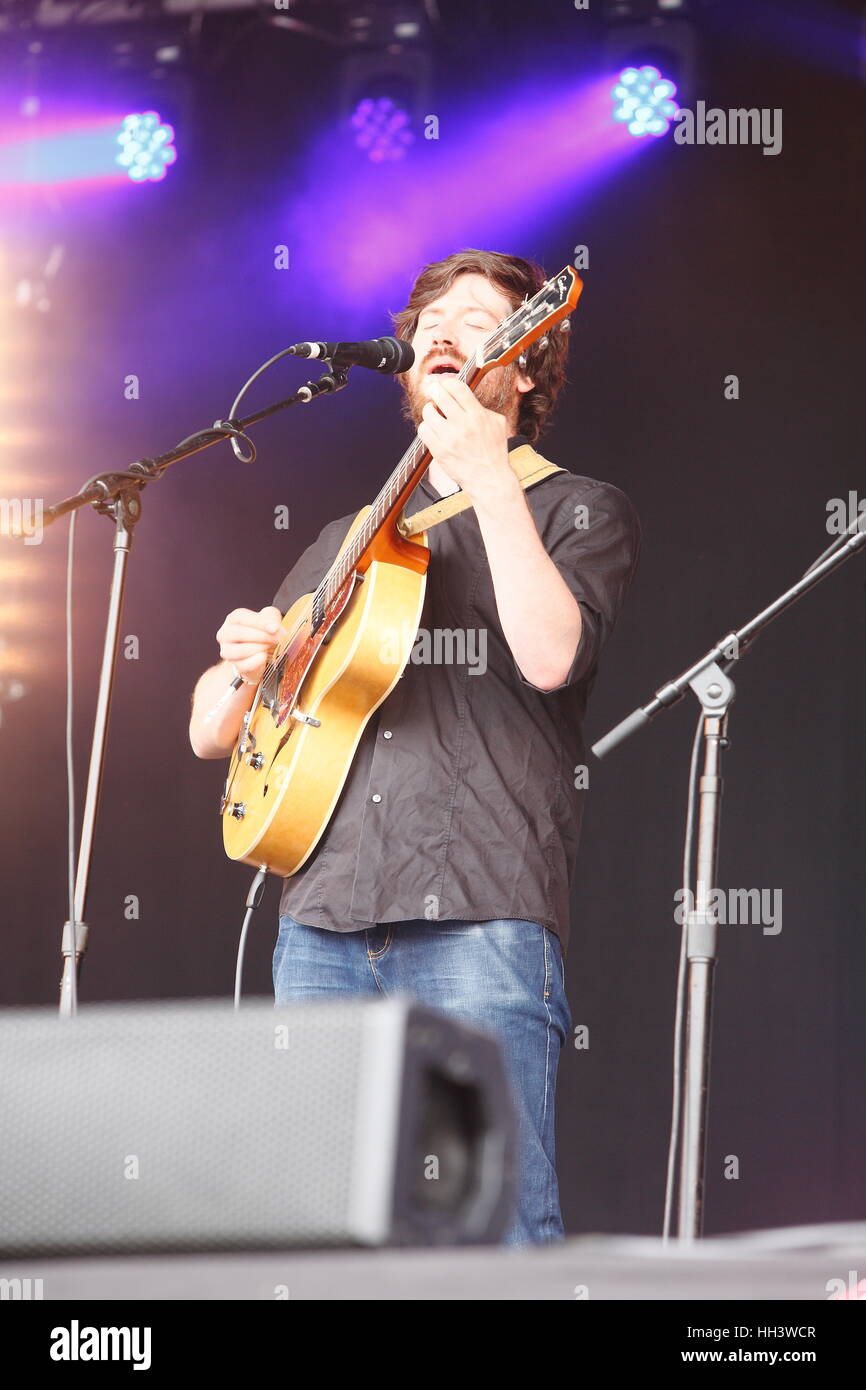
x=466, y=439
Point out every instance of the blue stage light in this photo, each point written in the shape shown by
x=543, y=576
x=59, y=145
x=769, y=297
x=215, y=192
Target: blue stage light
x=381, y=129
x=644, y=100
x=145, y=146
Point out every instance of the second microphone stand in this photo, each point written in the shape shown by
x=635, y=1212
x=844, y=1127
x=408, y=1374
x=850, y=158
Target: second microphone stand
x=707, y=678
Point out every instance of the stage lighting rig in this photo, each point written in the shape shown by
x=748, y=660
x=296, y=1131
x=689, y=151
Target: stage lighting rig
x=657, y=34
x=146, y=148
x=644, y=101
x=386, y=75
x=614, y=10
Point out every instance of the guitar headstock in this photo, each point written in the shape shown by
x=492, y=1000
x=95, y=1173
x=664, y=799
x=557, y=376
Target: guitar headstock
x=530, y=320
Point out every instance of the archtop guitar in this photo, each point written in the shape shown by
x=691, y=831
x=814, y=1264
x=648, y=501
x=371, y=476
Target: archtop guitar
x=342, y=649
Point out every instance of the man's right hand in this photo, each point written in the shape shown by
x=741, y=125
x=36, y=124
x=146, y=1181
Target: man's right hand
x=247, y=640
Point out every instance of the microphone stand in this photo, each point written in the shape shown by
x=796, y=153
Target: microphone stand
x=118, y=496
x=715, y=692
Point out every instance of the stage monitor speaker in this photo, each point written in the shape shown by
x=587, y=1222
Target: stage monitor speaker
x=165, y=1126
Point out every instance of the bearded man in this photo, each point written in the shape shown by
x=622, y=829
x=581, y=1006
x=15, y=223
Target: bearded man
x=445, y=870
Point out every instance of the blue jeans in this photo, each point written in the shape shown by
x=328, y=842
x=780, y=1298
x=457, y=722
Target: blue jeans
x=505, y=976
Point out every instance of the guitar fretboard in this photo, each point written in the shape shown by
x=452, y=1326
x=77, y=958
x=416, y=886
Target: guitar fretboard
x=411, y=465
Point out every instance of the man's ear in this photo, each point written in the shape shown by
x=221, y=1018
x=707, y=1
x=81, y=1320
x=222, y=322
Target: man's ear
x=524, y=383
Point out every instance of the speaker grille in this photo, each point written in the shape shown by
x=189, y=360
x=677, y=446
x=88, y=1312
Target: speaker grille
x=153, y=1125
x=188, y=1127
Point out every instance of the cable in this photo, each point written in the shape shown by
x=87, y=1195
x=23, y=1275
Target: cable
x=233, y=413
x=254, y=897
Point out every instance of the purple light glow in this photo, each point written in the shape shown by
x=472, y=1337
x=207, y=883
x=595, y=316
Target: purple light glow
x=361, y=232
x=76, y=151
x=381, y=129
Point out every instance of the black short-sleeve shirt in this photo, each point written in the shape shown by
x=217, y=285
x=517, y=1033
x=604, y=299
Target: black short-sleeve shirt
x=465, y=797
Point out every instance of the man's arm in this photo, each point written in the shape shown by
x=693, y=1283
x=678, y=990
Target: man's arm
x=246, y=640
x=540, y=617
x=215, y=738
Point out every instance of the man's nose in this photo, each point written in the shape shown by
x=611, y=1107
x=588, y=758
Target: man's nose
x=444, y=333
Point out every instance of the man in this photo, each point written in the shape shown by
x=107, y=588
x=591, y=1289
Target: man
x=445, y=869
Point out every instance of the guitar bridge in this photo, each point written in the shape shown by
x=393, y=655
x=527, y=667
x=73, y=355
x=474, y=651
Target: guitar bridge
x=248, y=740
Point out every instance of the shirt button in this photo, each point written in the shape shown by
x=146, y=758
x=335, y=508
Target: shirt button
x=376, y=797
x=387, y=734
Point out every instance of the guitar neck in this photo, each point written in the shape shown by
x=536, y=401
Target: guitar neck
x=524, y=325
x=388, y=506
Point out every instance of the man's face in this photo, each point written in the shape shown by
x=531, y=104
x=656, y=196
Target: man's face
x=448, y=332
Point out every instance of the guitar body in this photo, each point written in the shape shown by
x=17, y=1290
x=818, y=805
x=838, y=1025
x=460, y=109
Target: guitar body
x=286, y=776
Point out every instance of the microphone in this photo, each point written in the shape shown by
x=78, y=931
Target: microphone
x=380, y=354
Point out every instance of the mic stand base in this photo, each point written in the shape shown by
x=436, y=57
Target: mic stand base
x=73, y=946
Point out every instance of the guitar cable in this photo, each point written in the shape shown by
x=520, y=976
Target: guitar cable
x=254, y=898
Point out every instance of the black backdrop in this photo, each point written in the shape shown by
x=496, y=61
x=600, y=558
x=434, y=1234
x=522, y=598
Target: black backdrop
x=704, y=262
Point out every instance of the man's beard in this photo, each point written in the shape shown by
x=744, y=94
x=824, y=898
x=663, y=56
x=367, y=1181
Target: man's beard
x=496, y=391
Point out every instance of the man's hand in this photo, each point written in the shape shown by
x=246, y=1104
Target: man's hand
x=541, y=619
x=466, y=439
x=248, y=639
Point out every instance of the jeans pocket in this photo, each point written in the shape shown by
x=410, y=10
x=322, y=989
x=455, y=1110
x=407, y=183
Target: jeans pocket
x=554, y=984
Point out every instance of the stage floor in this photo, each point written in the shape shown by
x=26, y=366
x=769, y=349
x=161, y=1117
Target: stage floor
x=797, y=1264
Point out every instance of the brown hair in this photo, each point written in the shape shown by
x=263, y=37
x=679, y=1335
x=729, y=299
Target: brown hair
x=516, y=279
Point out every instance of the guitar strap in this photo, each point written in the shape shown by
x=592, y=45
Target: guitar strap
x=528, y=466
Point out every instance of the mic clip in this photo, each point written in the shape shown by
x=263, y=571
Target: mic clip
x=326, y=385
